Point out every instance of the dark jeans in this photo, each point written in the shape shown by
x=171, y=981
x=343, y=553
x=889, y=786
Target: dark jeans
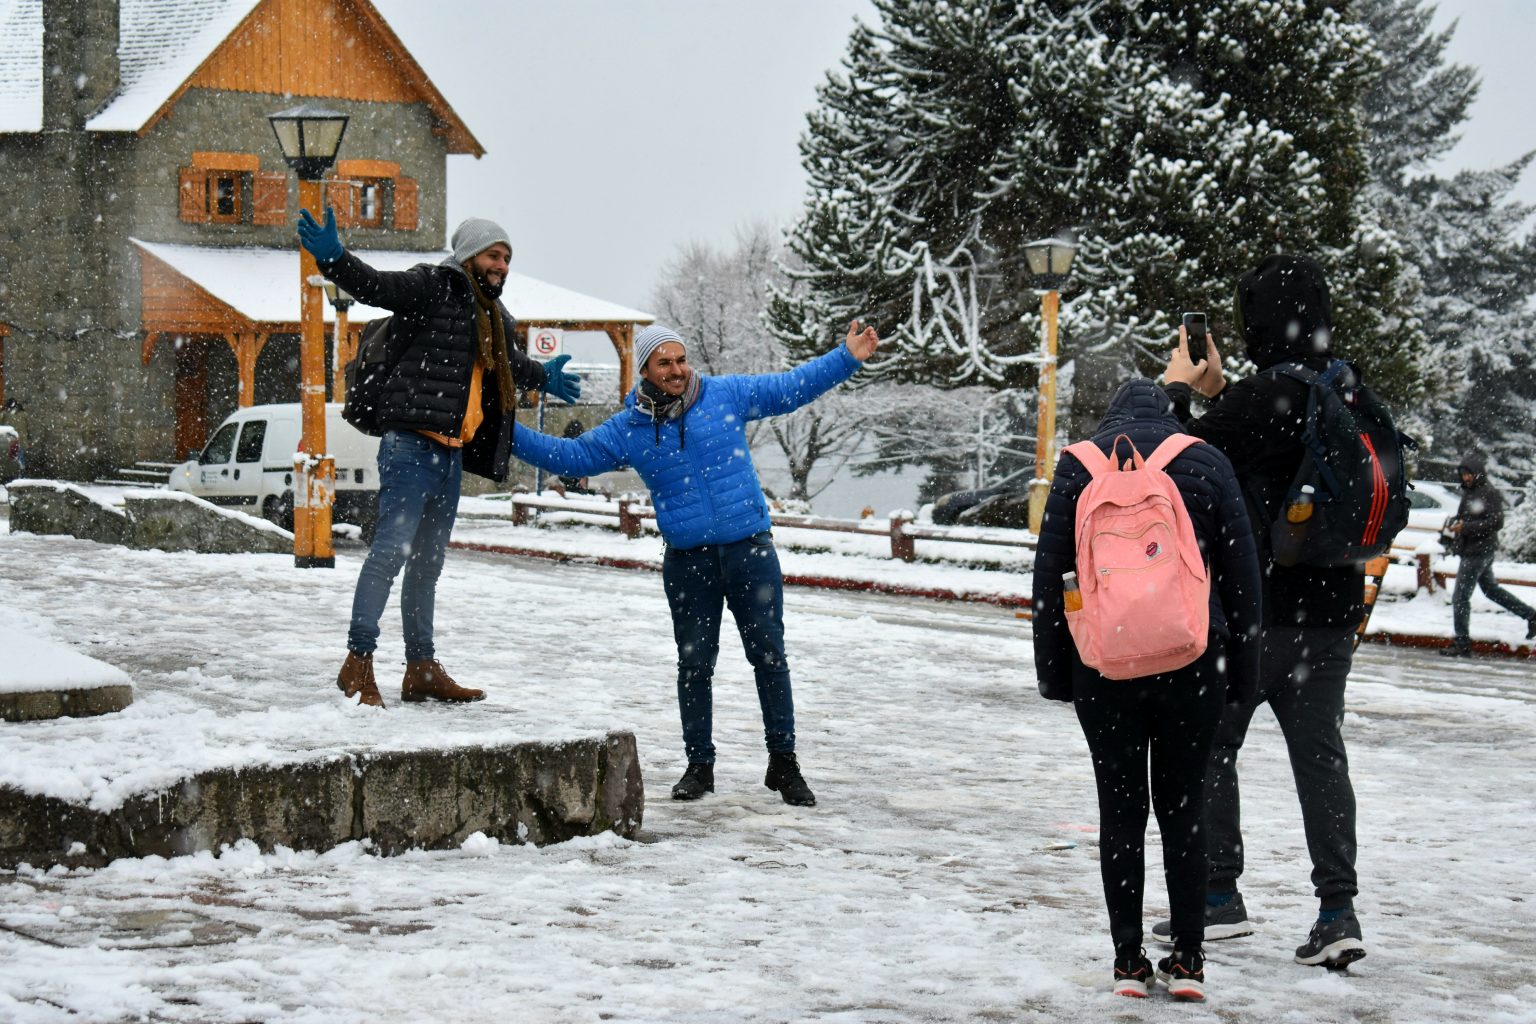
x=1473, y=572
x=1173, y=719
x=1302, y=673
x=744, y=576
x=418, y=502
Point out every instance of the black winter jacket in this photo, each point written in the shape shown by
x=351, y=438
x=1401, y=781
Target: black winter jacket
x=1481, y=511
x=433, y=336
x=1143, y=412
x=1257, y=423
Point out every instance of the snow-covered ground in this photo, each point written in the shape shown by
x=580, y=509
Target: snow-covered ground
x=949, y=874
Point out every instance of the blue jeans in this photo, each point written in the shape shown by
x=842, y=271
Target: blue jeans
x=1473, y=572
x=745, y=576
x=418, y=502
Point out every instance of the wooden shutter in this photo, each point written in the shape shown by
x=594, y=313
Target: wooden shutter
x=193, y=202
x=269, y=198
x=342, y=197
x=407, y=205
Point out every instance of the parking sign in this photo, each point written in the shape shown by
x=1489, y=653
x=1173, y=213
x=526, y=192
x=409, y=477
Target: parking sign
x=545, y=342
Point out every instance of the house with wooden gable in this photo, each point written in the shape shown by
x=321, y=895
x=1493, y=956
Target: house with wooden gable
x=149, y=278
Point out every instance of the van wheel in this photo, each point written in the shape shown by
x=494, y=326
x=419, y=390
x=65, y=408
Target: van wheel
x=280, y=510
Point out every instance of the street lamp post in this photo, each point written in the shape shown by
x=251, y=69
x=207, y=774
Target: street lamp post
x=1049, y=261
x=310, y=136
x=341, y=341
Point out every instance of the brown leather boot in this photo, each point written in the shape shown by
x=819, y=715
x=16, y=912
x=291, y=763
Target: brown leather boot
x=356, y=680
x=428, y=680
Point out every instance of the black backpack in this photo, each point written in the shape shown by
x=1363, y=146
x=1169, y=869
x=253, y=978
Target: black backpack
x=1352, y=473
x=366, y=374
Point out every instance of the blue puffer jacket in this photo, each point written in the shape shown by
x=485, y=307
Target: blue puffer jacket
x=705, y=487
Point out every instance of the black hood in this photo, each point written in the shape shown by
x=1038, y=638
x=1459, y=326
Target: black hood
x=1475, y=463
x=1138, y=401
x=1283, y=311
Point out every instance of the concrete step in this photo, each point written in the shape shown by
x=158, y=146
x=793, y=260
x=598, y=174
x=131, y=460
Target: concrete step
x=533, y=792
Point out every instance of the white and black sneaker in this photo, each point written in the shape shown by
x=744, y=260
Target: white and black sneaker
x=1228, y=920
x=1333, y=944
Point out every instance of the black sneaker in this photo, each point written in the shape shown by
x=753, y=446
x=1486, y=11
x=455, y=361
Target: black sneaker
x=1226, y=921
x=696, y=781
x=1133, y=975
x=1333, y=944
x=1458, y=649
x=1530, y=628
x=784, y=776
x=1184, y=974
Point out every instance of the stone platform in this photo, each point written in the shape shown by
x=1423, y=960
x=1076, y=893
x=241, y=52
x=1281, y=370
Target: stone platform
x=534, y=792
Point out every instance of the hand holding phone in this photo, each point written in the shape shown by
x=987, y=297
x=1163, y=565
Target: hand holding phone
x=1195, y=331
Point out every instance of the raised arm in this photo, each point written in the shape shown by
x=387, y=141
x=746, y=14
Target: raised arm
x=398, y=291
x=599, y=450
x=774, y=394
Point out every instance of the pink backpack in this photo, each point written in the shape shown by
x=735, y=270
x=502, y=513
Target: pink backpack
x=1146, y=593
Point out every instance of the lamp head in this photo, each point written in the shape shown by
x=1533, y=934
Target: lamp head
x=309, y=136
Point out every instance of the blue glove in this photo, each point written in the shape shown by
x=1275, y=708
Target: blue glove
x=558, y=383
x=322, y=242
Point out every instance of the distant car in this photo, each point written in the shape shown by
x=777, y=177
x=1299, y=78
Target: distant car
x=10, y=454
x=1431, y=505
x=248, y=464
x=949, y=509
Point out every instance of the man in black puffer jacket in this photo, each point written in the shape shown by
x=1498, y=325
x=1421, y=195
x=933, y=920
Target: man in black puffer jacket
x=1173, y=716
x=448, y=406
x=1475, y=531
x=1283, y=313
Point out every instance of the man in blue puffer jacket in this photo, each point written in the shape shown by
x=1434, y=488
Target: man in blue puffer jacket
x=685, y=434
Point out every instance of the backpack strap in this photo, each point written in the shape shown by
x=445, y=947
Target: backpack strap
x=1094, y=461
x=1170, y=448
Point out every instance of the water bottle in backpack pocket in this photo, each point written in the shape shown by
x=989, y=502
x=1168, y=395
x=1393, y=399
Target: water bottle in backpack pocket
x=1144, y=586
x=1349, y=497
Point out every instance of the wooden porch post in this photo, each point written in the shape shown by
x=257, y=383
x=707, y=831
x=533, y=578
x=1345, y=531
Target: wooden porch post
x=247, y=346
x=623, y=338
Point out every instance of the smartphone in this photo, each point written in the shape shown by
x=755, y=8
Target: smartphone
x=1196, y=329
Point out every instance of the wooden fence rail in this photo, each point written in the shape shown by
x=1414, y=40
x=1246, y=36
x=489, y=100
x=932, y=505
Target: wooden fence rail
x=631, y=514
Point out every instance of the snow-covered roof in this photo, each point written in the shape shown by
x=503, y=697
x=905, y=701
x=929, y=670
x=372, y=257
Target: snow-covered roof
x=21, y=66
x=160, y=44
x=261, y=284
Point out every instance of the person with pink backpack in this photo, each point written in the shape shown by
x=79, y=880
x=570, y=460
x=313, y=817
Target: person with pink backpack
x=1146, y=618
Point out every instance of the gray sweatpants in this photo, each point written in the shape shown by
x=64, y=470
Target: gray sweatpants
x=1302, y=673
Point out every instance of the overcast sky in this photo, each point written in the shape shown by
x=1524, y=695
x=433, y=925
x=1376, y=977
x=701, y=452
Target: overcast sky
x=617, y=132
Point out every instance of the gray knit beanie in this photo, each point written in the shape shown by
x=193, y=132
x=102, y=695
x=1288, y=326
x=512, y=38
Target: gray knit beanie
x=652, y=338
x=474, y=236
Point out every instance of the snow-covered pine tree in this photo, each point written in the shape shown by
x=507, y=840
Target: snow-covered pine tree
x=1465, y=240
x=1182, y=141
x=715, y=298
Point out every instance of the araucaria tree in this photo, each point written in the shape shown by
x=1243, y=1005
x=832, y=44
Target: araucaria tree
x=1180, y=141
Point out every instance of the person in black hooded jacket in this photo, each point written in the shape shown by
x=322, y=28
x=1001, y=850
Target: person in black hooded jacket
x=1172, y=717
x=1284, y=315
x=1475, y=531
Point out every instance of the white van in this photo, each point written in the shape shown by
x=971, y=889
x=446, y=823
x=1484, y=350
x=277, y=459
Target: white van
x=248, y=464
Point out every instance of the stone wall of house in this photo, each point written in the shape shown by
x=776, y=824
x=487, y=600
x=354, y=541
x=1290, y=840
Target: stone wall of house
x=69, y=276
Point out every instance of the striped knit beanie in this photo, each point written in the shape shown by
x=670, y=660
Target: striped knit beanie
x=652, y=338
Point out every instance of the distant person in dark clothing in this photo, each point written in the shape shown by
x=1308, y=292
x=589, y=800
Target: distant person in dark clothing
x=1474, y=534
x=1284, y=315
x=574, y=484
x=1170, y=718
